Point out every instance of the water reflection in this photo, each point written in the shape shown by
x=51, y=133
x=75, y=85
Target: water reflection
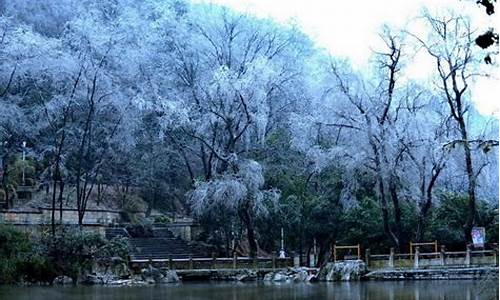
x=416, y=290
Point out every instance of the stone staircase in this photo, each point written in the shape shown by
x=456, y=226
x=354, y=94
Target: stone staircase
x=162, y=245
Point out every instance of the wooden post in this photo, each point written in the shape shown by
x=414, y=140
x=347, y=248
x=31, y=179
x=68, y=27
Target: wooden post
x=367, y=257
x=442, y=255
x=234, y=260
x=334, y=253
x=190, y=262
x=495, y=255
x=435, y=246
x=170, y=262
x=359, y=252
x=254, y=262
x=467, y=256
x=417, y=252
x=391, y=258
x=411, y=250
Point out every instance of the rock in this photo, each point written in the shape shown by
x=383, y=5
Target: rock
x=152, y=274
x=246, y=275
x=120, y=270
x=170, y=276
x=121, y=282
x=92, y=279
x=300, y=276
x=268, y=277
x=63, y=280
x=350, y=270
x=280, y=277
x=311, y=278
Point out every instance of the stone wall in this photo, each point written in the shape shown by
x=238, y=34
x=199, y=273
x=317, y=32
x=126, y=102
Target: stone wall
x=42, y=216
x=185, y=230
x=434, y=274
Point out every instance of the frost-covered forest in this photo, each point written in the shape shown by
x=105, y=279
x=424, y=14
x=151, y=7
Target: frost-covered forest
x=247, y=125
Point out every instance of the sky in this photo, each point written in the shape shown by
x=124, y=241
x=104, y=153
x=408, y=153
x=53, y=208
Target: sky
x=350, y=29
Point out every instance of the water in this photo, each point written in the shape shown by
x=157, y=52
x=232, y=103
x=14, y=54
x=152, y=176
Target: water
x=414, y=290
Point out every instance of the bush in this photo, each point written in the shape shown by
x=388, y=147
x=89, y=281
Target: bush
x=162, y=219
x=69, y=252
x=72, y=252
x=21, y=259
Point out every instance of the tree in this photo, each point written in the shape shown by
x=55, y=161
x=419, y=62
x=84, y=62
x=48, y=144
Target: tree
x=239, y=192
x=450, y=45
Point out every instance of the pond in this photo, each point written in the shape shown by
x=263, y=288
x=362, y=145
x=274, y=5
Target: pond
x=373, y=290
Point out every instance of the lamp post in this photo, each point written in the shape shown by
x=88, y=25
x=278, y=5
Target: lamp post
x=282, y=249
x=24, y=157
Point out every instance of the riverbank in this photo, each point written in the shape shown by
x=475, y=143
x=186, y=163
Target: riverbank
x=418, y=290
x=152, y=275
x=476, y=273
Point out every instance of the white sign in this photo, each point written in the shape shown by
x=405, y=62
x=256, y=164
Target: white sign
x=478, y=237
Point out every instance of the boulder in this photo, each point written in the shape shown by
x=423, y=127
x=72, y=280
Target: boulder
x=300, y=275
x=92, y=279
x=120, y=270
x=268, y=277
x=153, y=275
x=349, y=270
x=170, y=276
x=281, y=277
x=63, y=280
x=246, y=275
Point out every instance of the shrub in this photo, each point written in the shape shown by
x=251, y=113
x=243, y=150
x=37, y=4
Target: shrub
x=162, y=219
x=70, y=252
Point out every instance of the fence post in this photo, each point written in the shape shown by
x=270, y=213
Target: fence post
x=296, y=260
x=312, y=260
x=417, y=252
x=367, y=257
x=190, y=262
x=391, y=258
x=254, y=262
x=495, y=255
x=214, y=260
x=467, y=256
x=170, y=263
x=442, y=255
x=234, y=260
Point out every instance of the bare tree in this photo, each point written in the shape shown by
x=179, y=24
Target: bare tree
x=451, y=46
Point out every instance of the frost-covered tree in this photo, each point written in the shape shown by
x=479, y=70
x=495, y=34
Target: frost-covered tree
x=239, y=192
x=450, y=44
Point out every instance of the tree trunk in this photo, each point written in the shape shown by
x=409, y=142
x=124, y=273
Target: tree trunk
x=4, y=179
x=53, y=209
x=248, y=221
x=471, y=180
x=61, y=190
x=397, y=213
x=424, y=210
